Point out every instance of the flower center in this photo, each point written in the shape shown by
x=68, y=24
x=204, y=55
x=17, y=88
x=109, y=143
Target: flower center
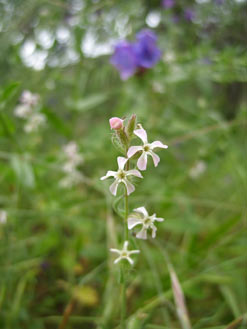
x=147, y=221
x=121, y=174
x=146, y=148
x=124, y=254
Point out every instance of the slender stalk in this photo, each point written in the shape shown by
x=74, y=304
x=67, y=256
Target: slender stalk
x=126, y=233
x=123, y=299
x=126, y=208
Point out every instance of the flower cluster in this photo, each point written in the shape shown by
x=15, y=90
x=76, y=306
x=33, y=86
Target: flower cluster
x=28, y=109
x=122, y=138
x=131, y=57
x=72, y=160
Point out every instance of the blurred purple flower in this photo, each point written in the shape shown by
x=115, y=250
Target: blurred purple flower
x=146, y=50
x=124, y=59
x=175, y=19
x=219, y=2
x=189, y=14
x=167, y=4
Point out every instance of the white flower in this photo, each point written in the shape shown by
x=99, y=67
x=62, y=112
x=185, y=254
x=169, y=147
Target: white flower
x=34, y=122
x=145, y=220
x=29, y=98
x=3, y=216
x=197, y=169
x=146, y=149
x=121, y=176
x=74, y=158
x=124, y=253
x=71, y=179
x=70, y=149
x=22, y=111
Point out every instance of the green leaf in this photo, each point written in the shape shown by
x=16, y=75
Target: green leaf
x=88, y=103
x=23, y=170
x=9, y=91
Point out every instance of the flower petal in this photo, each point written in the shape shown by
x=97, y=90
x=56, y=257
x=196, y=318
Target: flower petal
x=141, y=133
x=158, y=219
x=132, y=222
x=130, y=187
x=156, y=158
x=158, y=144
x=121, y=162
x=125, y=246
x=142, y=161
x=154, y=229
x=117, y=260
x=142, y=210
x=132, y=150
x=113, y=187
x=115, y=250
x=134, y=252
x=129, y=260
x=142, y=234
x=134, y=172
x=109, y=173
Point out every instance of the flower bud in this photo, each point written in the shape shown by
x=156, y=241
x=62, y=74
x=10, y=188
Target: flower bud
x=116, y=123
x=131, y=125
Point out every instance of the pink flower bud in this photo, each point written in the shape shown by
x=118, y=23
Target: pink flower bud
x=116, y=123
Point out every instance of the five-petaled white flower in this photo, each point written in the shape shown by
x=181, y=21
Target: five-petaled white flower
x=146, y=149
x=145, y=220
x=124, y=253
x=121, y=176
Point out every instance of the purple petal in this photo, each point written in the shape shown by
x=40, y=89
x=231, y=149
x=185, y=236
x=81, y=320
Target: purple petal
x=167, y=4
x=124, y=59
x=146, y=50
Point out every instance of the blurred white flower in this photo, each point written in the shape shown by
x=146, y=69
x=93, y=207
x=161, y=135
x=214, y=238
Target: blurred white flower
x=147, y=222
x=198, y=169
x=71, y=179
x=121, y=176
x=22, y=111
x=72, y=160
x=3, y=217
x=29, y=98
x=27, y=109
x=34, y=121
x=72, y=154
x=146, y=149
x=124, y=253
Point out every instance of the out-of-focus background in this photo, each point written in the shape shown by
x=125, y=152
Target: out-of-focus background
x=58, y=90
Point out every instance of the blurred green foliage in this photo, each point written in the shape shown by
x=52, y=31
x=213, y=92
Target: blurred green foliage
x=54, y=246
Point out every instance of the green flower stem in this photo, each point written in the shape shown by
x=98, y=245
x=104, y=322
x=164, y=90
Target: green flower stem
x=123, y=268
x=126, y=206
x=123, y=298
